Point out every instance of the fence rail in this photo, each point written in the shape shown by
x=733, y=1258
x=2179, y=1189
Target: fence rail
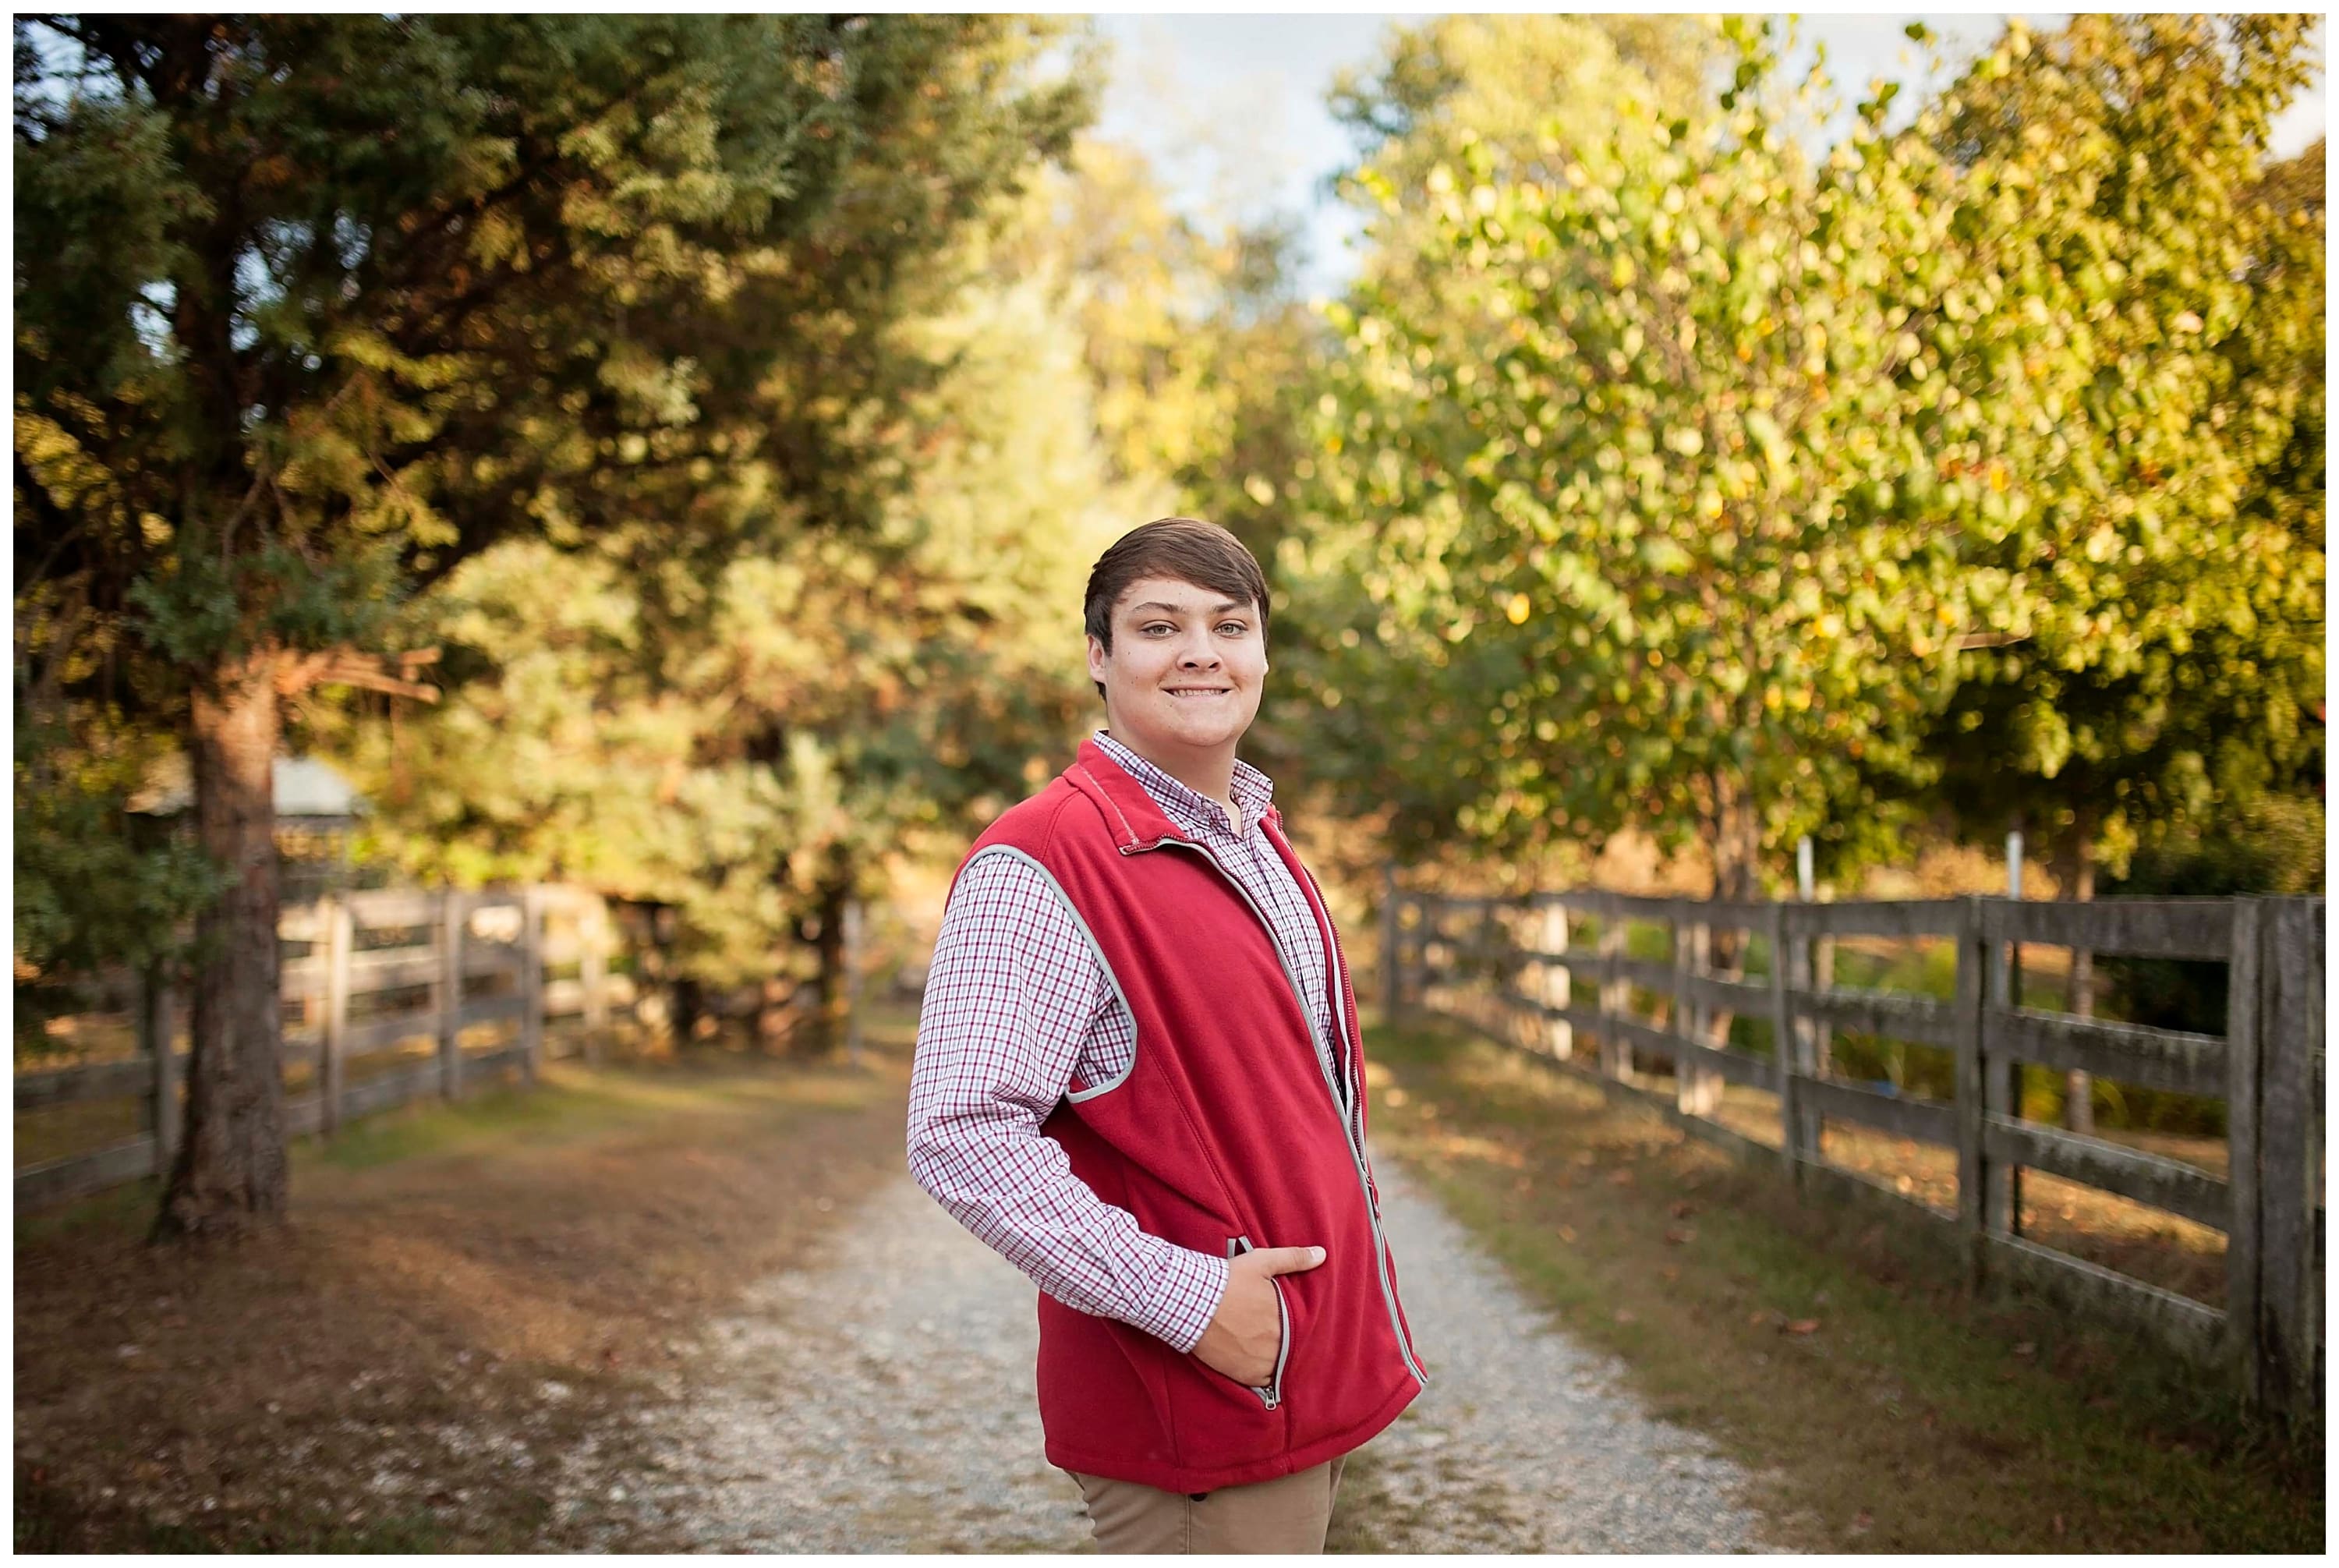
x=500, y=938
x=2267, y=1068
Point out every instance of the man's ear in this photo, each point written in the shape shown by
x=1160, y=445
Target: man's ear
x=1096, y=658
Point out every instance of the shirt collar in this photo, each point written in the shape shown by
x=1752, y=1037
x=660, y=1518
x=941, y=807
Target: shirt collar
x=1253, y=791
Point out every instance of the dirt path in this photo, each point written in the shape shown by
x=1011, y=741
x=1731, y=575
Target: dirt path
x=881, y=1399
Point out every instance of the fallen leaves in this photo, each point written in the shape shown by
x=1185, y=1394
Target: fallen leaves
x=1679, y=1235
x=1567, y=1234
x=1802, y=1326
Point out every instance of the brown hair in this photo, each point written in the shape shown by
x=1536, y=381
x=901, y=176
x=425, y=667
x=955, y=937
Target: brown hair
x=1186, y=549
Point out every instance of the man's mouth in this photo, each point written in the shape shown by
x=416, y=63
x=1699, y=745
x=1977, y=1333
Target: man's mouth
x=1195, y=694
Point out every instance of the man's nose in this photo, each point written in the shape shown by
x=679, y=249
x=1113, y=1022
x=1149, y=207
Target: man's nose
x=1199, y=654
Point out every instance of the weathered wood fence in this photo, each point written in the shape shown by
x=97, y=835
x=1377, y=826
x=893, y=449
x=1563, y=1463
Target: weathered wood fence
x=365, y=975
x=1520, y=957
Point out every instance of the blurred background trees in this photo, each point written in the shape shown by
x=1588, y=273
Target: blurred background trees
x=665, y=454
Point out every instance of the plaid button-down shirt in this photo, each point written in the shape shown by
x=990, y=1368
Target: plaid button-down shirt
x=1018, y=1008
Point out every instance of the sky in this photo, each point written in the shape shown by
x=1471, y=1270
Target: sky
x=1231, y=107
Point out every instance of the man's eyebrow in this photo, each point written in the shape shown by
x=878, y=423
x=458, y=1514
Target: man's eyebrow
x=1180, y=609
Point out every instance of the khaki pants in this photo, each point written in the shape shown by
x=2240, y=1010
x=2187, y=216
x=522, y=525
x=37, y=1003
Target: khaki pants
x=1289, y=1513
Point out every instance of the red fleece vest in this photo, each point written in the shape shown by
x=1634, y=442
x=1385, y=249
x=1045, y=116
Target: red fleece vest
x=1228, y=1133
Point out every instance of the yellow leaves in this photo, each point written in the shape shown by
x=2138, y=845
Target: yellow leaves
x=1517, y=609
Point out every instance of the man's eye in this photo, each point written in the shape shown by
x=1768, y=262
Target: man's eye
x=1159, y=626
x=1233, y=628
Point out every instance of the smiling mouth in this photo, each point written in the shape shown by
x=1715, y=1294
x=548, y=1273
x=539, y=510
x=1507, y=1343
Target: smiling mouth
x=1190, y=693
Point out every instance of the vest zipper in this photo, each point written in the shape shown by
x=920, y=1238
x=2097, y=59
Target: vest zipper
x=1324, y=1061
x=1272, y=1395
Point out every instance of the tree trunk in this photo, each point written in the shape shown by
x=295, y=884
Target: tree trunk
x=2077, y=873
x=1736, y=841
x=834, y=991
x=230, y=1174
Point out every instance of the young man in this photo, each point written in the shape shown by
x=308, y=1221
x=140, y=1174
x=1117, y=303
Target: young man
x=1139, y=1080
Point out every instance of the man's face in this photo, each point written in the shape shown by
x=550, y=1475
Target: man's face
x=1185, y=670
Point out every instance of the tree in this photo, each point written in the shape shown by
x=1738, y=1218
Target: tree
x=2156, y=652
x=2159, y=646
x=310, y=310
x=1644, y=521
x=843, y=698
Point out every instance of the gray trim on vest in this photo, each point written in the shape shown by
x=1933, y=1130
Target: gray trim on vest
x=1135, y=1043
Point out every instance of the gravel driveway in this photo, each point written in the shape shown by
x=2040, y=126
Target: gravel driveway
x=884, y=1402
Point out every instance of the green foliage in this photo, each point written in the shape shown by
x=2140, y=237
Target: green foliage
x=1671, y=480
x=1628, y=493
x=313, y=309
x=96, y=887
x=837, y=700
x=2155, y=628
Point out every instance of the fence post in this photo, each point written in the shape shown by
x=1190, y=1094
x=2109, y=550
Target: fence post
x=154, y=1024
x=1705, y=1084
x=1616, y=993
x=531, y=980
x=1685, y=1019
x=854, y=917
x=593, y=968
x=453, y=913
x=2242, y=1187
x=2290, y=1037
x=341, y=935
x=1558, y=982
x=1804, y=1126
x=1782, y=1034
x=1391, y=948
x=2001, y=1075
x=1971, y=1054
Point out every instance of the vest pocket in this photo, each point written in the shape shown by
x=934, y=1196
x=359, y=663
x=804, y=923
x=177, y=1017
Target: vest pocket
x=1272, y=1395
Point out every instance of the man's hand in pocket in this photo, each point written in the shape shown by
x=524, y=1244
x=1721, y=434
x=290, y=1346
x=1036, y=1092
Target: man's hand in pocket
x=1243, y=1339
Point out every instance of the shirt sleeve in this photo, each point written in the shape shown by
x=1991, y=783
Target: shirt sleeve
x=1013, y=994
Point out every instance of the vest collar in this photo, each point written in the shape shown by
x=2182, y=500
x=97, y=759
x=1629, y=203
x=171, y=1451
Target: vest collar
x=1134, y=818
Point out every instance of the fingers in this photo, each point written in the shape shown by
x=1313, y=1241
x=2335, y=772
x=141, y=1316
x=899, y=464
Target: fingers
x=1287, y=1259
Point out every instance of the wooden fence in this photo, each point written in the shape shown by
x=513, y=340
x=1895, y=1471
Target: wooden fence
x=1515, y=957
x=375, y=975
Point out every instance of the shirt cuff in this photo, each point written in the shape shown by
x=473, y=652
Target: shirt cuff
x=1185, y=1299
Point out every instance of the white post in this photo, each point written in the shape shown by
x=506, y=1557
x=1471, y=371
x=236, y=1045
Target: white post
x=532, y=900
x=340, y=927
x=1559, y=1035
x=1805, y=1127
x=454, y=912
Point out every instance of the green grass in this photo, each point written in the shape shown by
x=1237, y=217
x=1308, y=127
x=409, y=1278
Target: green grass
x=1833, y=1351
